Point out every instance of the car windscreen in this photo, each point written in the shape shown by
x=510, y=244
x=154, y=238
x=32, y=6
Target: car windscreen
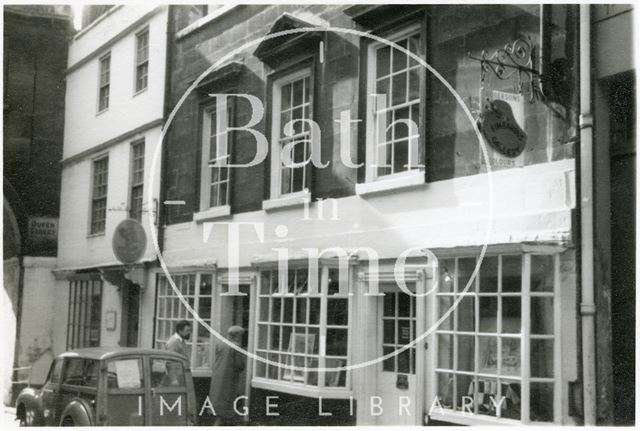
x=81, y=372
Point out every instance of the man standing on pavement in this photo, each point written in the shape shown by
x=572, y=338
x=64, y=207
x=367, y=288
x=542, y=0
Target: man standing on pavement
x=228, y=365
x=178, y=341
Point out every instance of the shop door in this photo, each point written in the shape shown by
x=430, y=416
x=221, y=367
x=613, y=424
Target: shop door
x=396, y=380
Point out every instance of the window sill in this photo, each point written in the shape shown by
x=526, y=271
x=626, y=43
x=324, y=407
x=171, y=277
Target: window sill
x=204, y=21
x=101, y=112
x=286, y=201
x=393, y=182
x=143, y=90
x=298, y=389
x=95, y=235
x=468, y=418
x=212, y=214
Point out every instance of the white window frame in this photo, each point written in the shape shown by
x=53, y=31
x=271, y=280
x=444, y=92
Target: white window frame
x=374, y=182
x=140, y=62
x=133, y=184
x=317, y=288
x=277, y=198
x=178, y=312
x=221, y=161
x=525, y=336
x=106, y=84
x=94, y=198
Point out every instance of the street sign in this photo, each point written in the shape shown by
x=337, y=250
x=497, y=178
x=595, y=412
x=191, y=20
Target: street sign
x=129, y=241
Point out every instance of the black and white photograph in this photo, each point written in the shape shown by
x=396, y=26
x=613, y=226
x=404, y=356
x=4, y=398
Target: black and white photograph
x=302, y=214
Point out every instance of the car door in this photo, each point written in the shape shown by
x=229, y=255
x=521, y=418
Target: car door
x=51, y=394
x=169, y=392
x=125, y=393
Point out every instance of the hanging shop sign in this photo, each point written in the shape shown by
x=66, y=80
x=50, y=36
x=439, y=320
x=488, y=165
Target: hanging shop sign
x=502, y=123
x=129, y=241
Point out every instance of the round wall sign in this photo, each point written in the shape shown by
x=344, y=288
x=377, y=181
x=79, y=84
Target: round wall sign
x=129, y=241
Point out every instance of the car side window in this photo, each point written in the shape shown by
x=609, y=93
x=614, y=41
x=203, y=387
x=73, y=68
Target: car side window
x=55, y=372
x=166, y=373
x=125, y=374
x=81, y=372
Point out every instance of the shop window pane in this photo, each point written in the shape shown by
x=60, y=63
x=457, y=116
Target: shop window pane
x=301, y=310
x=314, y=311
x=404, y=305
x=337, y=311
x=445, y=389
x=466, y=352
x=511, y=315
x=272, y=370
x=288, y=310
x=464, y=393
x=383, y=60
x=314, y=341
x=312, y=376
x=275, y=338
x=337, y=342
x=389, y=363
x=489, y=274
x=335, y=378
x=445, y=351
x=465, y=270
x=192, y=285
x=302, y=281
x=202, y=355
x=260, y=366
x=542, y=316
x=488, y=313
x=404, y=361
x=264, y=309
x=541, y=402
x=276, y=305
x=389, y=305
x=445, y=283
x=334, y=281
x=510, y=400
x=511, y=357
x=541, y=358
x=205, y=284
x=466, y=313
x=399, y=57
x=262, y=336
x=265, y=282
x=286, y=337
x=488, y=355
x=542, y=273
x=444, y=305
x=512, y=273
x=388, y=331
x=404, y=335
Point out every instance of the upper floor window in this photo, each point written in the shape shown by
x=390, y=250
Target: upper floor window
x=216, y=142
x=137, y=180
x=393, y=99
x=105, y=79
x=292, y=101
x=99, y=195
x=142, y=60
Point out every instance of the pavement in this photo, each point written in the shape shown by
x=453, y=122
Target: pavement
x=8, y=417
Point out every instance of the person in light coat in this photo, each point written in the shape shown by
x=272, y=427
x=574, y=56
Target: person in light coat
x=227, y=369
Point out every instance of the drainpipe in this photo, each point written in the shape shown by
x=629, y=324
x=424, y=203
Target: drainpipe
x=587, y=306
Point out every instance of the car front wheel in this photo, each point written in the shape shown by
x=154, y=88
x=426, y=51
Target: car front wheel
x=28, y=418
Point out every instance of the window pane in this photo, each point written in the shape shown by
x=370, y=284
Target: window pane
x=511, y=356
x=541, y=402
x=542, y=273
x=337, y=342
x=445, y=389
x=464, y=396
x=511, y=314
x=466, y=352
x=444, y=304
x=404, y=305
x=404, y=335
x=383, y=56
x=445, y=351
x=389, y=305
x=399, y=57
x=488, y=313
x=489, y=274
x=404, y=361
x=542, y=315
x=512, y=273
x=301, y=310
x=488, y=351
x=445, y=283
x=314, y=311
x=466, y=313
x=541, y=358
x=389, y=363
x=337, y=311
x=388, y=331
x=262, y=336
x=465, y=270
x=288, y=310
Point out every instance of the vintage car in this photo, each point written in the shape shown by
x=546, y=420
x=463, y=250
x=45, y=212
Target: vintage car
x=111, y=386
